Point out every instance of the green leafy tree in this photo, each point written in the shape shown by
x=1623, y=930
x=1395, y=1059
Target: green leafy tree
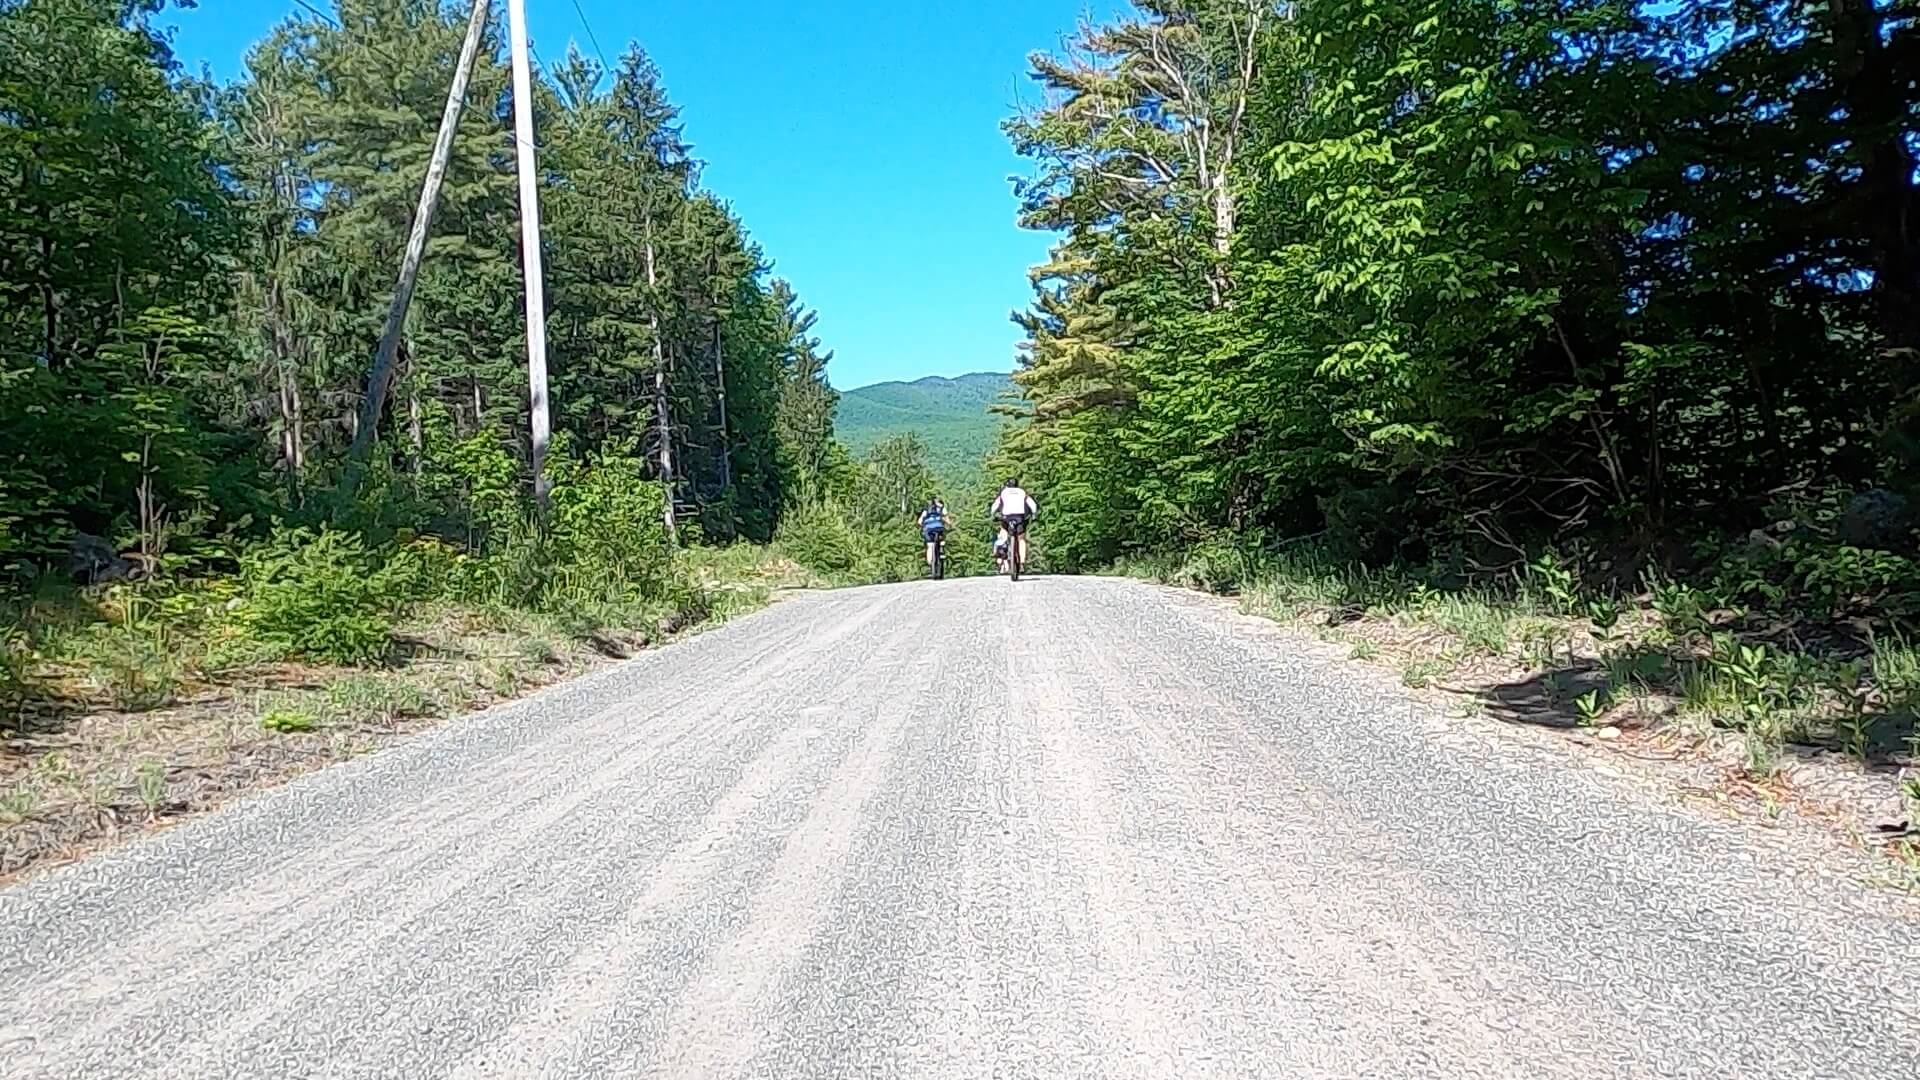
x=114, y=228
x=1492, y=276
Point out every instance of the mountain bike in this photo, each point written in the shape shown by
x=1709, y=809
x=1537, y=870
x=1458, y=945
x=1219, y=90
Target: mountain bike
x=939, y=541
x=1016, y=526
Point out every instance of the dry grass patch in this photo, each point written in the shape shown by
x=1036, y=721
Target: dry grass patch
x=113, y=727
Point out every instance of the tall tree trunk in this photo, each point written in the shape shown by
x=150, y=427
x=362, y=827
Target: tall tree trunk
x=1218, y=280
x=532, y=276
x=663, y=419
x=1226, y=211
x=720, y=380
x=293, y=455
x=416, y=434
x=49, y=304
x=298, y=411
x=292, y=437
x=143, y=494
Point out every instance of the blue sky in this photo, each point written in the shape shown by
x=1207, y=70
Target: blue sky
x=858, y=139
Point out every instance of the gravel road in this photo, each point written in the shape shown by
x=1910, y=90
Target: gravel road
x=870, y=833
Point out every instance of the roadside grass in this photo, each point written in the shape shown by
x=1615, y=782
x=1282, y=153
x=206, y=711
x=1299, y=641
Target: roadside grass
x=1774, y=708
x=370, y=698
x=1419, y=672
x=130, y=705
x=742, y=577
x=1765, y=691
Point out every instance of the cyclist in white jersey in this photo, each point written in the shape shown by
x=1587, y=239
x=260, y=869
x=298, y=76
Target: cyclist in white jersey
x=1013, y=507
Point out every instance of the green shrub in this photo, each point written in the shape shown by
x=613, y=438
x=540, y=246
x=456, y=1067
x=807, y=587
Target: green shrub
x=607, y=520
x=479, y=475
x=289, y=721
x=516, y=571
x=16, y=667
x=539, y=650
x=1550, y=584
x=18, y=803
x=1420, y=672
x=1895, y=665
x=1289, y=586
x=603, y=543
x=1481, y=623
x=502, y=678
x=134, y=666
x=1681, y=607
x=416, y=569
x=151, y=782
x=320, y=595
x=1216, y=566
x=1809, y=565
x=820, y=537
x=725, y=604
x=234, y=647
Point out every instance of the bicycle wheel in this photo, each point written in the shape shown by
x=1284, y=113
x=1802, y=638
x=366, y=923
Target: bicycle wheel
x=939, y=558
x=1013, y=555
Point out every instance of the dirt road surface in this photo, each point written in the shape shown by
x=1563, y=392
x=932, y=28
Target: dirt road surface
x=1059, y=828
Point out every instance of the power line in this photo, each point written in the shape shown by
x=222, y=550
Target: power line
x=591, y=36
x=324, y=17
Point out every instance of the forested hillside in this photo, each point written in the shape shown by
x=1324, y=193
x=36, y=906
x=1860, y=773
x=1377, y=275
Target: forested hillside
x=953, y=417
x=1632, y=287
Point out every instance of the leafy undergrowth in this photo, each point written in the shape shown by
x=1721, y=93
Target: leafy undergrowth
x=1812, y=714
x=127, y=708
x=744, y=576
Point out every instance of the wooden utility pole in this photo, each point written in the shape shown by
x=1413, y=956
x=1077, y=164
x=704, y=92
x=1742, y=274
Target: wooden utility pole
x=378, y=382
x=530, y=243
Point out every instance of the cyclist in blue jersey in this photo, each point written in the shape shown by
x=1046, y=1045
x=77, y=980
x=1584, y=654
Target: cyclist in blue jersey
x=933, y=528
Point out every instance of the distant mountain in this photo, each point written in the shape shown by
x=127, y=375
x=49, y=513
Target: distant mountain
x=949, y=415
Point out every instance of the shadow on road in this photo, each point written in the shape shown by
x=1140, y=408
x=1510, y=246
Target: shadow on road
x=1545, y=700
x=1878, y=736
